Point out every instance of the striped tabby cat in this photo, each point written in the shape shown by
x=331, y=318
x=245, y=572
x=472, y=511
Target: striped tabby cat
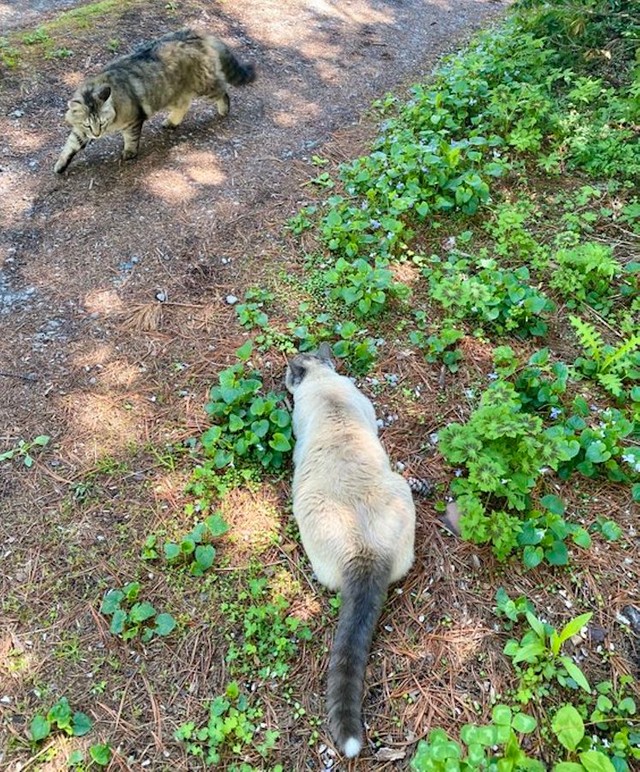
x=164, y=74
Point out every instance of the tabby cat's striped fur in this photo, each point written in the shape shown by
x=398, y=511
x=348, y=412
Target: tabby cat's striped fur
x=164, y=74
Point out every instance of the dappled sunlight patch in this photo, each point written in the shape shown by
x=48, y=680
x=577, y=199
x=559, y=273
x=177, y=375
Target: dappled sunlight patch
x=171, y=186
x=203, y=168
x=101, y=424
x=254, y=520
x=104, y=302
x=119, y=374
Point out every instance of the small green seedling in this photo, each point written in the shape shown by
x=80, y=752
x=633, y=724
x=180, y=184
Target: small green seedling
x=23, y=450
x=99, y=754
x=194, y=549
x=540, y=649
x=233, y=725
x=131, y=618
x=60, y=718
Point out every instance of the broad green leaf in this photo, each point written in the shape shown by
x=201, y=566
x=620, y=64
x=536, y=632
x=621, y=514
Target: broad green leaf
x=529, y=653
x=501, y=714
x=172, y=550
x=131, y=591
x=216, y=525
x=568, y=766
x=523, y=723
x=100, y=754
x=575, y=673
x=141, y=611
x=117, y=622
x=81, y=724
x=60, y=714
x=553, y=504
x=581, y=538
x=39, y=728
x=111, y=602
x=187, y=546
x=594, y=761
x=574, y=626
x=204, y=556
x=75, y=758
x=41, y=440
x=165, y=623
x=568, y=727
x=532, y=556
x=536, y=625
x=280, y=443
x=610, y=530
x=557, y=554
x=244, y=352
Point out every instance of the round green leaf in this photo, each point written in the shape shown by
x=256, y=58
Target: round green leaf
x=171, y=550
x=117, y=622
x=111, y=602
x=557, y=554
x=81, y=724
x=553, y=504
x=594, y=761
x=204, y=555
x=75, y=758
x=280, y=443
x=141, y=611
x=100, y=754
x=532, y=556
x=568, y=727
x=523, y=723
x=39, y=728
x=165, y=623
x=216, y=525
x=501, y=714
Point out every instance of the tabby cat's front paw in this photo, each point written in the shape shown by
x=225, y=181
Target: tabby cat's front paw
x=61, y=165
x=129, y=155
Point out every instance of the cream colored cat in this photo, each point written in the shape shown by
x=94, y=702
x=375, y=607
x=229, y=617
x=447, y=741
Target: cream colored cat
x=356, y=518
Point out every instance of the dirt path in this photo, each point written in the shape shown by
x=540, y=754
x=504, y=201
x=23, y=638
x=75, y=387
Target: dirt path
x=198, y=216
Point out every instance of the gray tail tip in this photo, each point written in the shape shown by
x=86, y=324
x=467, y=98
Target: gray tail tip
x=250, y=73
x=352, y=747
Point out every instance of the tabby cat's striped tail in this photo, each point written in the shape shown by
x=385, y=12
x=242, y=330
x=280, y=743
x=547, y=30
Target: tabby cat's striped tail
x=235, y=72
x=364, y=589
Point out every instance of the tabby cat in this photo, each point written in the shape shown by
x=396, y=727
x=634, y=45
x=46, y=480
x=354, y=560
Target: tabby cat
x=164, y=74
x=356, y=519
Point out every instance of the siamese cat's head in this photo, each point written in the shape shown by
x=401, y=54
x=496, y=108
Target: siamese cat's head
x=304, y=364
x=92, y=110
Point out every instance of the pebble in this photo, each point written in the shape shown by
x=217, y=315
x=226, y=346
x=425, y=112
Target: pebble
x=631, y=616
x=231, y=299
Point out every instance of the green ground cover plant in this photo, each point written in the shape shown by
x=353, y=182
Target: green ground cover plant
x=234, y=726
x=131, y=618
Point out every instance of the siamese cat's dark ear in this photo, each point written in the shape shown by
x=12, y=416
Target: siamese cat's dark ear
x=326, y=354
x=295, y=373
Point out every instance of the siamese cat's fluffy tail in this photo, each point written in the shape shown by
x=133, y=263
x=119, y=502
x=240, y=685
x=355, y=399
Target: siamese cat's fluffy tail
x=364, y=589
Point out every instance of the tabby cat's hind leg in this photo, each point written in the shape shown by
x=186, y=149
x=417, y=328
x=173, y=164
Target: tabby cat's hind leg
x=176, y=114
x=75, y=142
x=223, y=104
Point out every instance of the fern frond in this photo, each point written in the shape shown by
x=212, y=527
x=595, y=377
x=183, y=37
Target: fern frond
x=589, y=338
x=615, y=361
x=612, y=383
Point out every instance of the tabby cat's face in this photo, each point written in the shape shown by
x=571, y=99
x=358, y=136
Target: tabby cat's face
x=92, y=111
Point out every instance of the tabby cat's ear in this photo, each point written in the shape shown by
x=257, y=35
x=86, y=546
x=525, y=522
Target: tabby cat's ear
x=104, y=93
x=295, y=373
x=325, y=354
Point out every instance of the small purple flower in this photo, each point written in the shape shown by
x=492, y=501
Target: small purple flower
x=458, y=472
x=493, y=376
x=555, y=412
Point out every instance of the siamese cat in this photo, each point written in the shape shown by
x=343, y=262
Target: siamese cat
x=356, y=519
x=164, y=74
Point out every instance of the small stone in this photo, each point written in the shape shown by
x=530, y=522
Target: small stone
x=161, y=296
x=231, y=299
x=631, y=615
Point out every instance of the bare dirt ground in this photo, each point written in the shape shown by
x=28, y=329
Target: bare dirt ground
x=197, y=217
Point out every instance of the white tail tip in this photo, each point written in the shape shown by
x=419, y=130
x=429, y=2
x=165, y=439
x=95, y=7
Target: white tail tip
x=352, y=747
